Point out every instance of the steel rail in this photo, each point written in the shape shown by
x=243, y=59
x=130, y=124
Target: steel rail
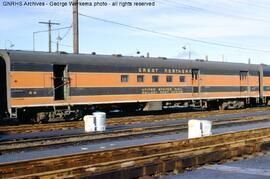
x=26, y=128
x=143, y=160
x=30, y=144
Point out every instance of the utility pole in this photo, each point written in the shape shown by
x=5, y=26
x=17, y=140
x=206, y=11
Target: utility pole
x=206, y=57
x=75, y=27
x=58, y=39
x=50, y=32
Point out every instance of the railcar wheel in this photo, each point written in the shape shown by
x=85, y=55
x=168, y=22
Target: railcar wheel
x=241, y=105
x=223, y=106
x=41, y=117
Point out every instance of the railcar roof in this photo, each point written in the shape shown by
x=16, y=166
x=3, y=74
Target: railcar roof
x=109, y=60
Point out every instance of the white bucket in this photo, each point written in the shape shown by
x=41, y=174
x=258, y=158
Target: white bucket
x=100, y=120
x=89, y=123
x=206, y=127
x=194, y=128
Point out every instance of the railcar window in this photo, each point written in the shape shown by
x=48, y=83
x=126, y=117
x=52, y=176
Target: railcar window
x=155, y=78
x=124, y=78
x=195, y=89
x=140, y=78
x=182, y=79
x=169, y=79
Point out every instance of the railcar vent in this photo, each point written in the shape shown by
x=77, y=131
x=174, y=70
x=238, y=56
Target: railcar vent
x=163, y=58
x=117, y=55
x=63, y=52
x=200, y=60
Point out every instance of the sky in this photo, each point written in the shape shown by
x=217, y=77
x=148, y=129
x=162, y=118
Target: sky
x=223, y=30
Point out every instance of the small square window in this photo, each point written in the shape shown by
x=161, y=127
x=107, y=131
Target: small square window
x=182, y=79
x=169, y=79
x=124, y=78
x=140, y=78
x=195, y=89
x=155, y=78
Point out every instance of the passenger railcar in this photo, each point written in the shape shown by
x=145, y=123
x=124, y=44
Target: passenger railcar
x=43, y=86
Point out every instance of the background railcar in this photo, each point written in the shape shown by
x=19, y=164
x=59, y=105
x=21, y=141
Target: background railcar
x=266, y=83
x=42, y=86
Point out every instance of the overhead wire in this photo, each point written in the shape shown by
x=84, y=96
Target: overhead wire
x=67, y=32
x=195, y=8
x=56, y=29
x=252, y=4
x=173, y=36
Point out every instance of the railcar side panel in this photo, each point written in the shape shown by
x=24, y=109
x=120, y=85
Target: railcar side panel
x=31, y=84
x=91, y=88
x=3, y=88
x=266, y=82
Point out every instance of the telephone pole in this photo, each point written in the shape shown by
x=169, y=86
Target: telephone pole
x=75, y=27
x=57, y=42
x=50, y=32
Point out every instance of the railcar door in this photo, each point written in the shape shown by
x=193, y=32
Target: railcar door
x=244, y=84
x=61, y=82
x=195, y=82
x=3, y=89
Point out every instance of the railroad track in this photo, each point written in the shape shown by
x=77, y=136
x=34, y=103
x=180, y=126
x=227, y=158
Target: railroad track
x=42, y=142
x=150, y=159
x=28, y=128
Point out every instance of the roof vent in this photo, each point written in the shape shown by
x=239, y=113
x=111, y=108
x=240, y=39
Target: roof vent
x=117, y=55
x=200, y=60
x=163, y=58
x=63, y=52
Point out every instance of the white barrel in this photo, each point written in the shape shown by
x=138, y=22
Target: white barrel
x=89, y=123
x=100, y=121
x=206, y=127
x=194, y=128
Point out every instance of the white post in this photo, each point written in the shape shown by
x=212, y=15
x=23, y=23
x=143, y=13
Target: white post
x=89, y=123
x=194, y=128
x=100, y=121
x=206, y=128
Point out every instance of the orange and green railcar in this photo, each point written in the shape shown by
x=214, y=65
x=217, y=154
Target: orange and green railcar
x=43, y=86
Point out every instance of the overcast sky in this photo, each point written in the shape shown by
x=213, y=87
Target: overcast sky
x=237, y=23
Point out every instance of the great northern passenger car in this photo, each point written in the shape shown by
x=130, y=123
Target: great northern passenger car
x=42, y=86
